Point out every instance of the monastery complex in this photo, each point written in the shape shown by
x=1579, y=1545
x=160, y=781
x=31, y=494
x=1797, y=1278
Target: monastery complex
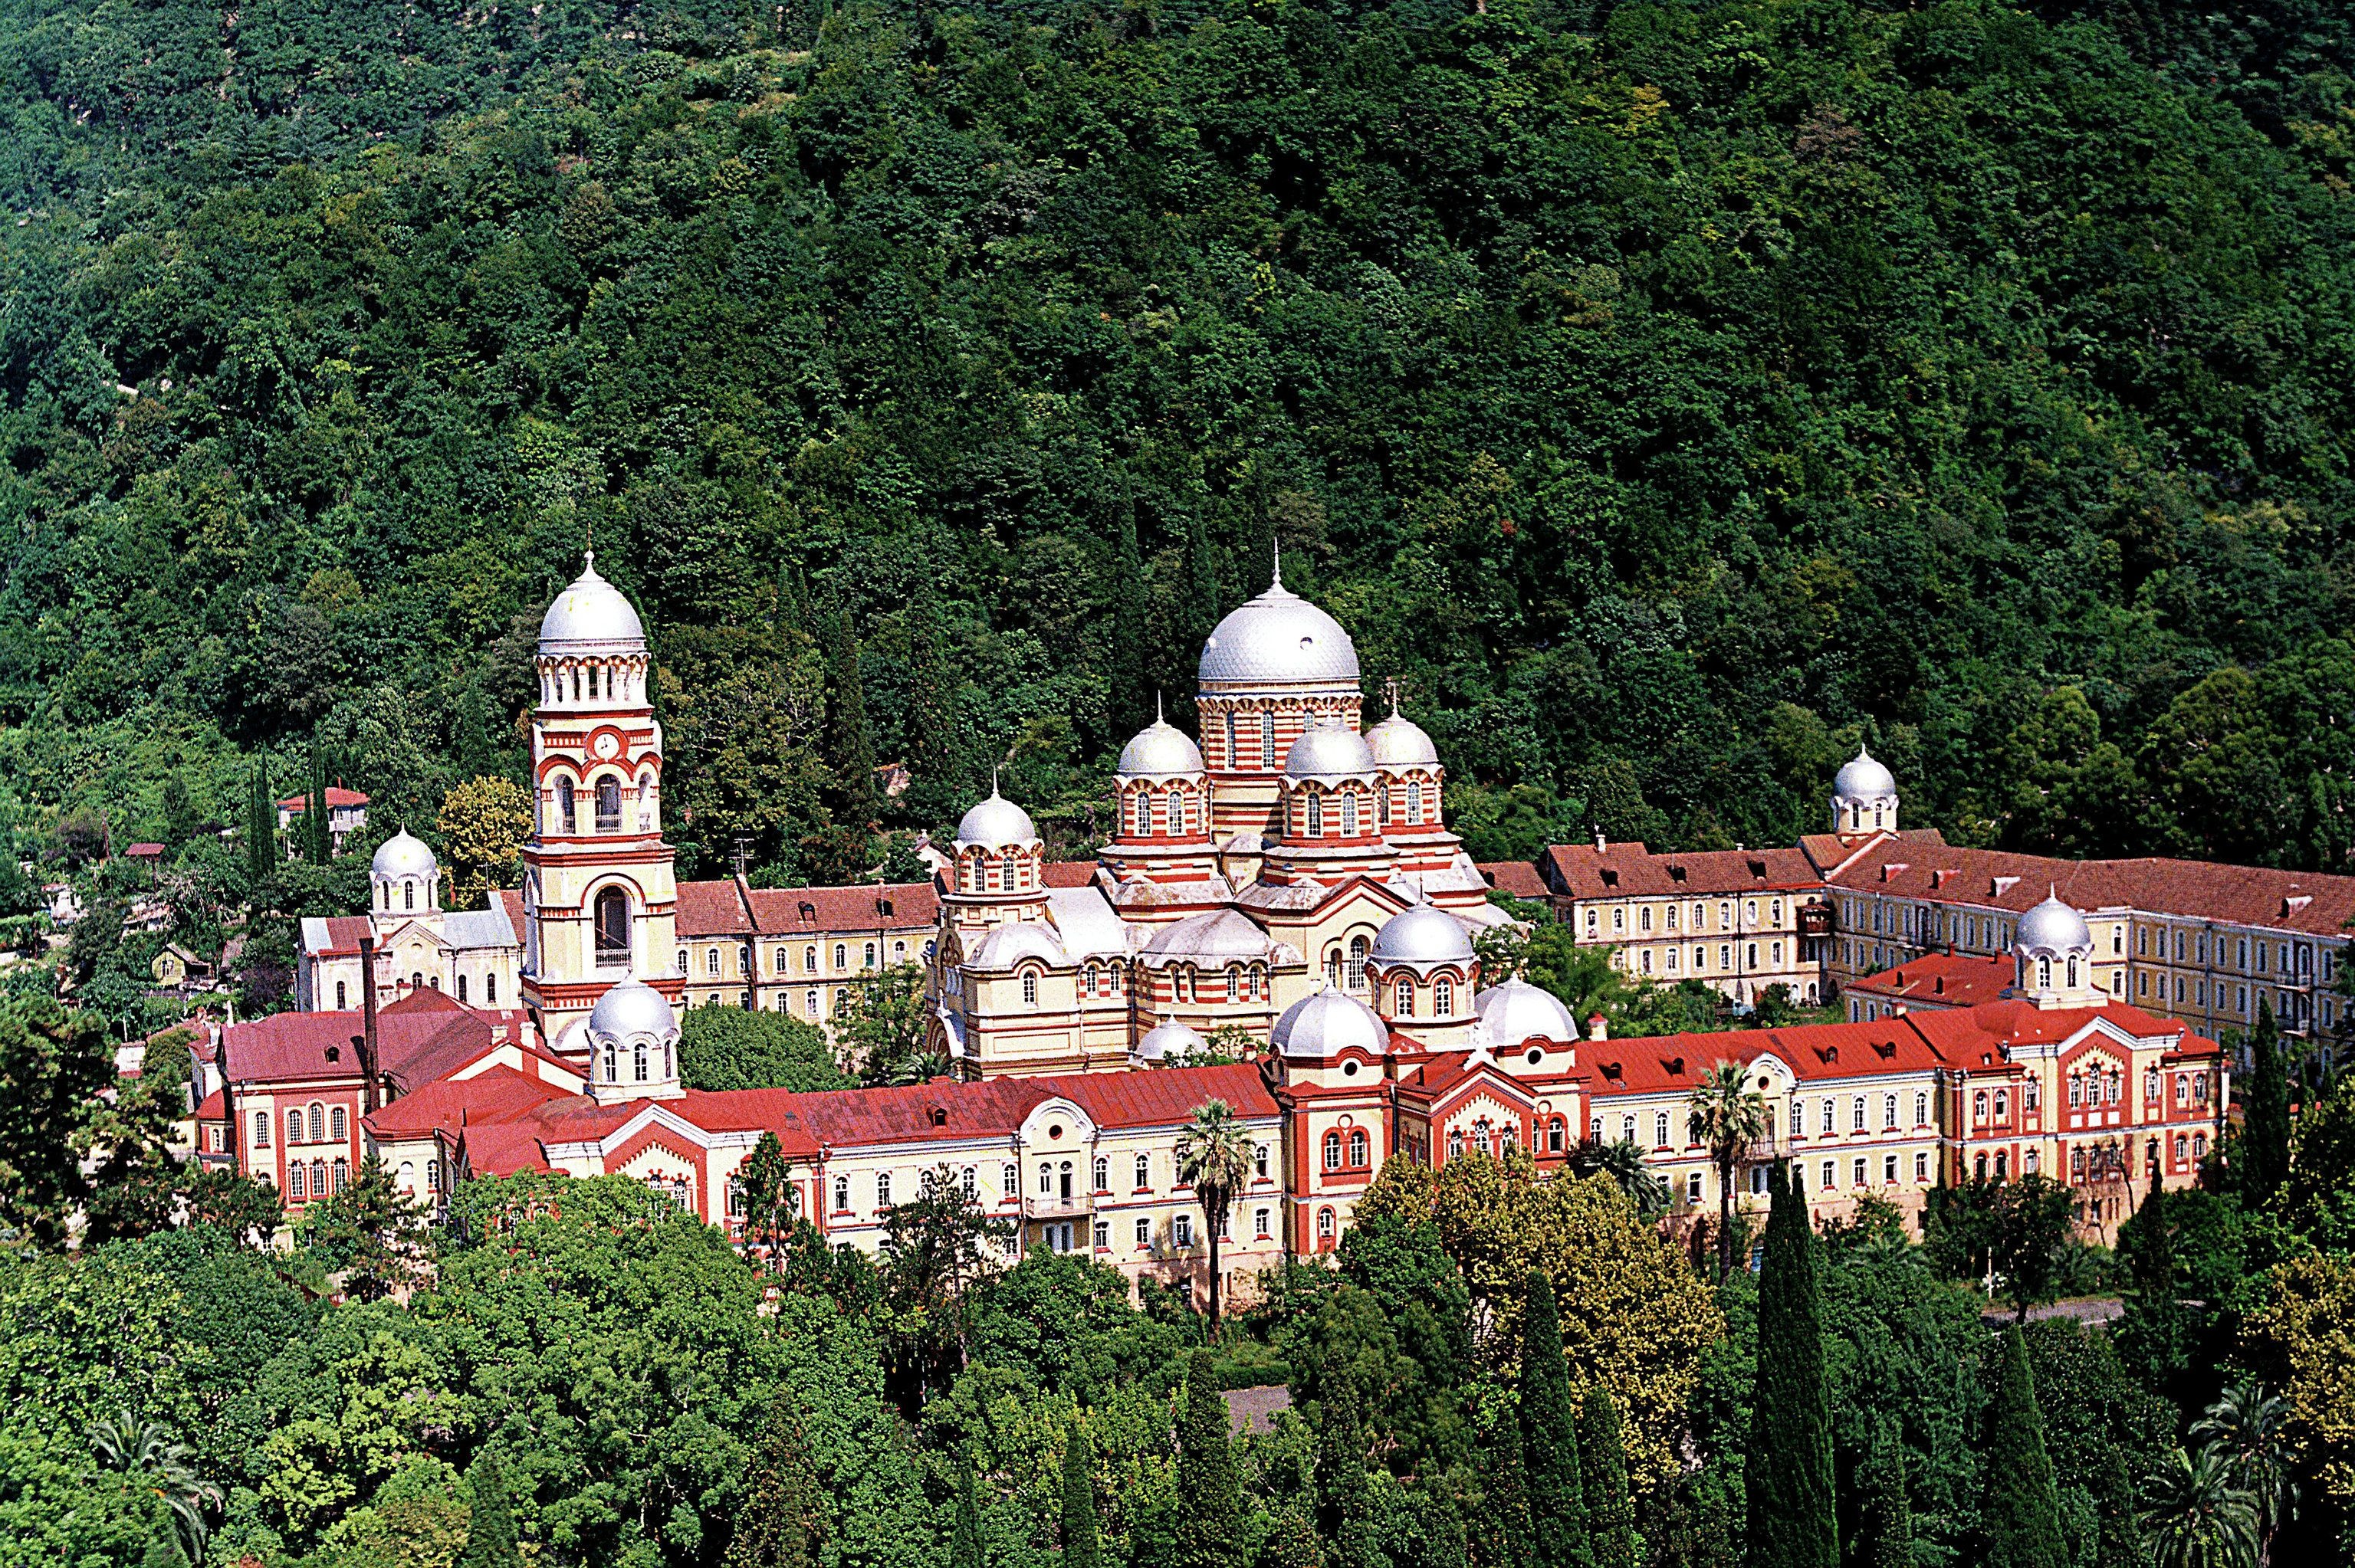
x=1287, y=884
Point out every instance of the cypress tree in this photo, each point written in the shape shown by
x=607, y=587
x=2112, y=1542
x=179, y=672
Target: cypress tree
x=2264, y=1125
x=1209, y=1491
x=1603, y=1458
x=260, y=825
x=1344, y=1504
x=2020, y=1515
x=318, y=839
x=1202, y=579
x=853, y=748
x=931, y=749
x=490, y=1528
x=2117, y=1535
x=1083, y=1540
x=2155, y=1334
x=1509, y=1535
x=1788, y=1470
x=783, y=1522
x=1130, y=681
x=1887, y=1512
x=1549, y=1437
x=964, y=1533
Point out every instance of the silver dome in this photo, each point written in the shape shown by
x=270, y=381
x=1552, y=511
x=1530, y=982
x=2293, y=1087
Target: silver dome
x=1006, y=945
x=1328, y=750
x=1422, y=937
x=1279, y=640
x=2052, y=927
x=1169, y=1041
x=1517, y=1011
x=632, y=1009
x=1162, y=751
x=997, y=823
x=1398, y=742
x=1862, y=778
x=1219, y=937
x=402, y=856
x=1325, y=1024
x=591, y=615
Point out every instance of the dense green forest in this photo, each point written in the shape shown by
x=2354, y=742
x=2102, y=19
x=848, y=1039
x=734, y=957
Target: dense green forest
x=1668, y=396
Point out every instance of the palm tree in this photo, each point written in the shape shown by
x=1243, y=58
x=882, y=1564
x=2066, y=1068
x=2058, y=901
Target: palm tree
x=1214, y=1157
x=1623, y=1162
x=1728, y=1114
x=2197, y=1518
x=2244, y=1428
x=144, y=1452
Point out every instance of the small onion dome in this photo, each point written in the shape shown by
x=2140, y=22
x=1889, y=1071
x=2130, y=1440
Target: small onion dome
x=1279, y=639
x=1323, y=1023
x=402, y=856
x=1006, y=945
x=1162, y=751
x=1169, y=1042
x=1219, y=937
x=1328, y=750
x=995, y=824
x=2055, y=929
x=593, y=616
x=631, y=1008
x=1517, y=1011
x=1422, y=937
x=1398, y=742
x=1862, y=778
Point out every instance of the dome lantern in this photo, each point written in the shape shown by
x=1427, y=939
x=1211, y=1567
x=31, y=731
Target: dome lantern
x=590, y=618
x=633, y=1044
x=1864, y=796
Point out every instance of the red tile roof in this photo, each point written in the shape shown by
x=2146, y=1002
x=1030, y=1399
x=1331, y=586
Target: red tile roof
x=422, y=1037
x=1629, y=870
x=145, y=851
x=337, y=796
x=1940, y=979
x=344, y=934
x=498, y=1094
x=731, y=909
x=1517, y=877
x=1069, y=873
x=712, y=909
x=502, y=1148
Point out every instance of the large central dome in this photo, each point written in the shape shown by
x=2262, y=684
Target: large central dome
x=1279, y=640
x=591, y=617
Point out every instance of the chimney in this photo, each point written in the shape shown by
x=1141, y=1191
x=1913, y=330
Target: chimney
x=367, y=1025
x=1597, y=1026
x=1601, y=845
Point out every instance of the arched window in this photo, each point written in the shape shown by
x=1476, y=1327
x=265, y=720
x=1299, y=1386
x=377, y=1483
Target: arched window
x=1357, y=963
x=2002, y=1104
x=1013, y=869
x=1921, y=1107
x=1443, y=997
x=645, y=802
x=1316, y=810
x=1349, y=814
x=2073, y=971
x=1979, y=1105
x=343, y=1174
x=841, y=956
x=408, y=896
x=1413, y=800
x=609, y=804
x=1143, y=1171
x=462, y=988
x=1324, y=1224
x=563, y=805
x=1267, y=740
x=868, y=954
x=339, y=996
x=318, y=1124
x=295, y=1127
x=1332, y=1151
x=2044, y=971
x=1234, y=984
x=336, y=1125
x=1856, y=1116
x=1088, y=980
x=1888, y=1110
x=1405, y=1006
x=612, y=925
x=261, y=1129
x=294, y=1182
x=1660, y=1129
x=1231, y=759
x=710, y=960
x=1357, y=1149
x=1102, y=1174
x=612, y=1073
x=638, y=1061
x=1030, y=988
x=841, y=1194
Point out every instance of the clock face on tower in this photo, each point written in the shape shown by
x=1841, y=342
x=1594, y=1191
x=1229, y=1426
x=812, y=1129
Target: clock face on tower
x=607, y=745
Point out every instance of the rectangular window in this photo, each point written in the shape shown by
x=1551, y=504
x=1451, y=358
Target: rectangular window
x=1184, y=1230
x=1831, y=1174
x=1859, y=1171
x=1103, y=1235
x=1889, y=1170
x=1144, y=1233
x=1921, y=1168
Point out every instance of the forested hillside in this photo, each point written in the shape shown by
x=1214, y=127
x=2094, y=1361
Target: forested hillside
x=1666, y=396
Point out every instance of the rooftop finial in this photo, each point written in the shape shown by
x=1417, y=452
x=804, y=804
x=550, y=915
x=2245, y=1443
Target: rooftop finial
x=1279, y=564
x=589, y=525
x=993, y=781
x=1158, y=717
x=1391, y=686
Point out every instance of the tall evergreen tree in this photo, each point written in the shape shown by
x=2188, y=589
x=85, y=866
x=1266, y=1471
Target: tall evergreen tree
x=1507, y=1534
x=1202, y=579
x=1344, y=1503
x=930, y=746
x=1082, y=1538
x=851, y=748
x=782, y=1523
x=1209, y=1530
x=318, y=839
x=1603, y=1461
x=2020, y=1514
x=490, y=1528
x=1131, y=675
x=964, y=1530
x=260, y=825
x=1788, y=1470
x=2265, y=1106
x=1549, y=1437
x=1885, y=1511
x=2155, y=1336
x=2117, y=1533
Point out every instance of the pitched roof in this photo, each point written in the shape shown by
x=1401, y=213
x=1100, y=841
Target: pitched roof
x=419, y=1038
x=1518, y=878
x=498, y=1094
x=337, y=796
x=730, y=908
x=337, y=936
x=2312, y=902
x=1068, y=872
x=1629, y=870
x=1940, y=979
x=712, y=909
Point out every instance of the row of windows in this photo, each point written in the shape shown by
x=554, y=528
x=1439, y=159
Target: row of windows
x=779, y=966
x=2109, y=1160
x=1181, y=1231
x=1055, y=1179
x=1670, y=914
x=2195, y=947
x=582, y=679
x=1700, y=958
x=324, y=1125
x=2247, y=955
x=564, y=816
x=417, y=981
x=313, y=1181
x=1009, y=871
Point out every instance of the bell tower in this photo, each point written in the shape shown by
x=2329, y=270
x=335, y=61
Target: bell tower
x=598, y=888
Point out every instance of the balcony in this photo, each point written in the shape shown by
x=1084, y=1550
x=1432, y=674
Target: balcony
x=1057, y=1205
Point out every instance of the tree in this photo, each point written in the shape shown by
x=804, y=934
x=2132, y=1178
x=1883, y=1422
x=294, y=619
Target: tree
x=371, y=1231
x=850, y=740
x=2264, y=1144
x=2245, y=1426
x=764, y=1184
x=483, y=823
x=146, y=1454
x=1788, y=1469
x=782, y=1522
x=724, y=1048
x=2017, y=1228
x=1344, y=1506
x=1083, y=1540
x=318, y=839
x=52, y=1065
x=1729, y=1116
x=2154, y=1335
x=1557, y=1492
x=2196, y=1516
x=1610, y=1505
x=1214, y=1157
x=1886, y=1512
x=887, y=1026
x=490, y=1527
x=935, y=1244
x=1209, y=1527
x=1623, y=1162
x=1130, y=678
x=965, y=1528
x=2019, y=1517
